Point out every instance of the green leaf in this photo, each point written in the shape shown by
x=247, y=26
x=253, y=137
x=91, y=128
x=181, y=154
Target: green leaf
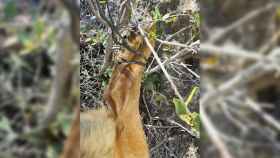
x=102, y=1
x=156, y=14
x=152, y=81
x=192, y=119
x=196, y=121
x=187, y=118
x=153, y=31
x=179, y=106
x=168, y=18
x=197, y=19
x=5, y=124
x=51, y=152
x=190, y=97
x=64, y=123
x=39, y=27
x=10, y=9
x=277, y=14
x=108, y=72
x=23, y=37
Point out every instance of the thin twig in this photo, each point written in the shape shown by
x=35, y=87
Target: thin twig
x=174, y=43
x=178, y=55
x=96, y=9
x=211, y=49
x=273, y=40
x=214, y=134
x=161, y=65
x=251, y=15
x=184, y=128
x=268, y=118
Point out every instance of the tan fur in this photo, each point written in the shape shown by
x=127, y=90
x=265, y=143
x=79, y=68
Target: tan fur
x=100, y=128
x=71, y=145
x=118, y=132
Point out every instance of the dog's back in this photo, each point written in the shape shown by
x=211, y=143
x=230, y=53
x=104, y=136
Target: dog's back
x=98, y=134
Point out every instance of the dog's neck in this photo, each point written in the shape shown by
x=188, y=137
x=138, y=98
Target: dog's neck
x=123, y=90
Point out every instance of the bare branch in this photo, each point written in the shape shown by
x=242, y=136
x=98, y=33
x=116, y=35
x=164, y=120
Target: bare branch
x=234, y=51
x=268, y=118
x=97, y=10
x=123, y=21
x=173, y=43
x=216, y=38
x=214, y=134
x=161, y=65
x=188, y=50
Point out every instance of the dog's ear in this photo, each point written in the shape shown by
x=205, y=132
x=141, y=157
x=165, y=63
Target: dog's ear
x=135, y=40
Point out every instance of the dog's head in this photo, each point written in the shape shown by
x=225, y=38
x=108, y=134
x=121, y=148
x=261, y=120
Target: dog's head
x=138, y=48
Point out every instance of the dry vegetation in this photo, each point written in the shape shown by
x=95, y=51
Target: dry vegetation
x=34, y=38
x=240, y=78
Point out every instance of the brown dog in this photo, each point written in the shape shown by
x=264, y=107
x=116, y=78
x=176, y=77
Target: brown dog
x=117, y=132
